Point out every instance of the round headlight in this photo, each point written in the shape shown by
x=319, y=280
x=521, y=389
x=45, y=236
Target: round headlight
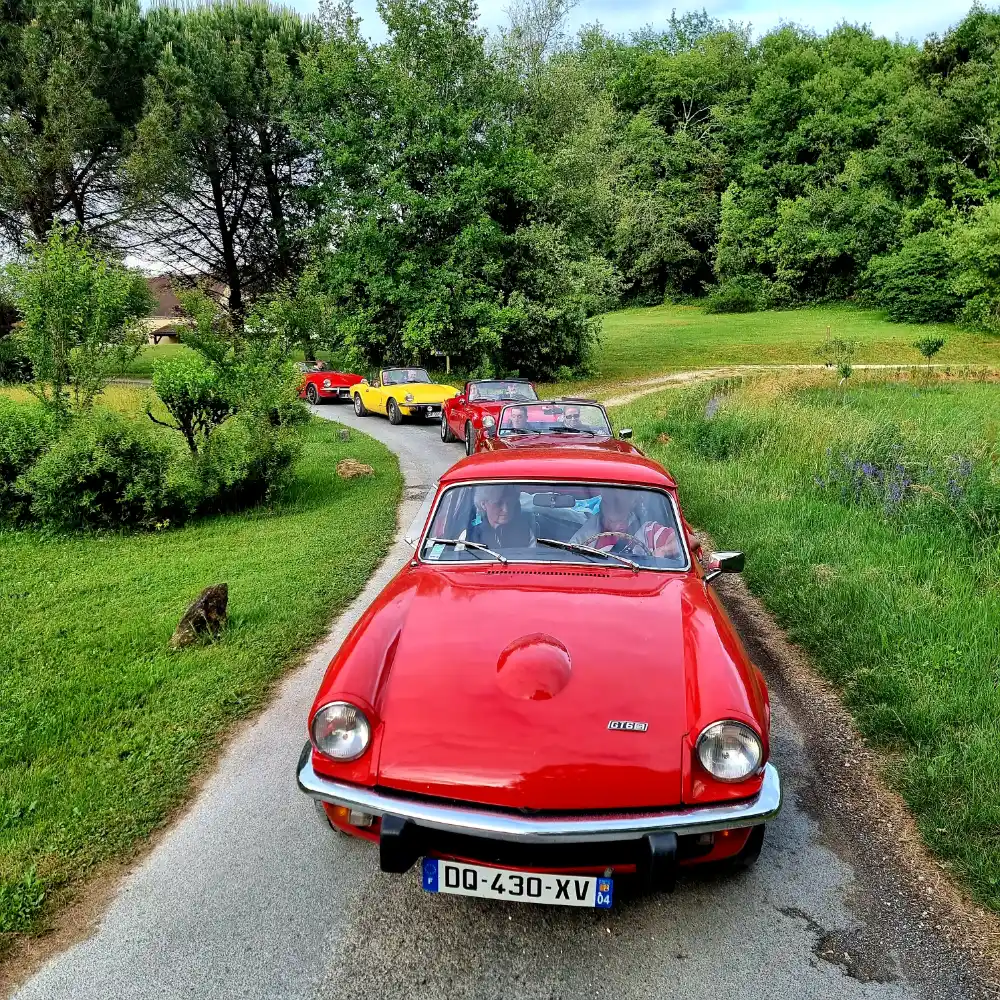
x=327, y=383
x=729, y=751
x=408, y=397
x=341, y=731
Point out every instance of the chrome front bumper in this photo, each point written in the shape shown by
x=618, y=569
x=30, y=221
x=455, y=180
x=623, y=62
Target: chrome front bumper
x=574, y=829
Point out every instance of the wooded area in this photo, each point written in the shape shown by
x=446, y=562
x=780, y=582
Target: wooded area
x=489, y=195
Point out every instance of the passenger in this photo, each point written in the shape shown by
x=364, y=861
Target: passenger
x=617, y=517
x=500, y=523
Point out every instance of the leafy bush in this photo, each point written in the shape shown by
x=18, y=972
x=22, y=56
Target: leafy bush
x=914, y=284
x=80, y=317
x=975, y=247
x=107, y=471
x=732, y=297
x=25, y=433
x=195, y=394
x=929, y=346
x=246, y=462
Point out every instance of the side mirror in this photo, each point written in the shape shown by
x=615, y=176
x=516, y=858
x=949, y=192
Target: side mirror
x=489, y=426
x=364, y=381
x=625, y=434
x=724, y=562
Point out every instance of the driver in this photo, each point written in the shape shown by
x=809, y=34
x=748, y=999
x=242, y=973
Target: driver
x=572, y=418
x=617, y=517
x=515, y=421
x=500, y=523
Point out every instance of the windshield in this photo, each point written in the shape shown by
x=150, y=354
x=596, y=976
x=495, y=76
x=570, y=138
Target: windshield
x=555, y=523
x=555, y=418
x=496, y=391
x=401, y=376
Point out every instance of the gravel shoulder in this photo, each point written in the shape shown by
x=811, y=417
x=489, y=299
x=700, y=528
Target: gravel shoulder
x=248, y=896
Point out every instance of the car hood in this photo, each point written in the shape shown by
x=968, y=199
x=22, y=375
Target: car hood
x=503, y=684
x=422, y=392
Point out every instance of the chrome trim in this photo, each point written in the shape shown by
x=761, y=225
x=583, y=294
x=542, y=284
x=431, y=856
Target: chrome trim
x=579, y=829
x=671, y=502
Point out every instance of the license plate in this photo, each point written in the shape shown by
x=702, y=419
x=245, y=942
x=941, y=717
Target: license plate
x=459, y=879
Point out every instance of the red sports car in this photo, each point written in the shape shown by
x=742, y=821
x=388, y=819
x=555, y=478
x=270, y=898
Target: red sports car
x=463, y=416
x=321, y=384
x=549, y=696
x=553, y=422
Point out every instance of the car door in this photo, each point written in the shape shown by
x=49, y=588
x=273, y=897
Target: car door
x=460, y=412
x=377, y=395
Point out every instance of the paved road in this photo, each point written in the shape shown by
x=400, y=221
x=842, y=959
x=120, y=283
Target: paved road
x=248, y=896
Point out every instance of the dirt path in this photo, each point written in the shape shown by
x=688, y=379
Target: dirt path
x=646, y=386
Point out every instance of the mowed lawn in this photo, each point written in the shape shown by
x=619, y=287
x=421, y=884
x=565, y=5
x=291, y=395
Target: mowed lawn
x=637, y=342
x=889, y=583
x=102, y=728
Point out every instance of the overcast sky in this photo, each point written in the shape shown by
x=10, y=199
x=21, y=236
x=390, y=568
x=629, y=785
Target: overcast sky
x=907, y=18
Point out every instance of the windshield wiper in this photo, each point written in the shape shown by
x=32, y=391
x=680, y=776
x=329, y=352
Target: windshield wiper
x=478, y=546
x=560, y=429
x=587, y=550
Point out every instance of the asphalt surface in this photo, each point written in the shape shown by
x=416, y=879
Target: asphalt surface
x=250, y=896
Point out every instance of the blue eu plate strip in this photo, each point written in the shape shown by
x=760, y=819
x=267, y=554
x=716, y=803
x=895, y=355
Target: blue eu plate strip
x=431, y=874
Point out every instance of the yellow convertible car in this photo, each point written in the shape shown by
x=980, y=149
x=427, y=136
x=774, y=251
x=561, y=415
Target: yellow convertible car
x=401, y=392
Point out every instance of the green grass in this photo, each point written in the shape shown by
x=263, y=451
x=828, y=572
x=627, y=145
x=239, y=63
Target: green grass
x=102, y=728
x=638, y=342
x=897, y=604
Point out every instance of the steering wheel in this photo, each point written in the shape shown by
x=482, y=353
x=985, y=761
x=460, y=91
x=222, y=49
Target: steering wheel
x=632, y=544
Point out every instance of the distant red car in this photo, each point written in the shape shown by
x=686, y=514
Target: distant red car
x=462, y=416
x=321, y=384
x=554, y=422
x=548, y=697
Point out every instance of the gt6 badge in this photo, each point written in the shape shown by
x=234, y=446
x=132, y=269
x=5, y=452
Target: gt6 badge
x=635, y=727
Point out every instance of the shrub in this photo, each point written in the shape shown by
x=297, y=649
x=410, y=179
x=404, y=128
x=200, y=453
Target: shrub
x=246, y=462
x=914, y=284
x=195, y=394
x=25, y=433
x=929, y=346
x=107, y=471
x=732, y=297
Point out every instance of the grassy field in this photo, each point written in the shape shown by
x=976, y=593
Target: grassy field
x=638, y=342
x=871, y=523
x=102, y=728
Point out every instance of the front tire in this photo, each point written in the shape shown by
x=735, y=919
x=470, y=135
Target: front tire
x=392, y=409
x=470, y=439
x=312, y=394
x=359, y=407
x=447, y=434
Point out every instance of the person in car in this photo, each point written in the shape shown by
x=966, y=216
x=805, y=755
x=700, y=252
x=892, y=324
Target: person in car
x=617, y=517
x=515, y=421
x=500, y=523
x=572, y=418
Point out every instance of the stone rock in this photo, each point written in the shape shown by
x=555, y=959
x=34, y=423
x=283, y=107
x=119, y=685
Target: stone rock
x=348, y=468
x=205, y=617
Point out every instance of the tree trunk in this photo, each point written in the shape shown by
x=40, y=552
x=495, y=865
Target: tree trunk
x=275, y=204
x=232, y=271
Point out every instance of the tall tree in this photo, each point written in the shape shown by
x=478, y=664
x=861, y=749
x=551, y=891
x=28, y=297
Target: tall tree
x=71, y=76
x=445, y=241
x=222, y=176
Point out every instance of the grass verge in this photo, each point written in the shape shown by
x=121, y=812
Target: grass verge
x=892, y=591
x=660, y=339
x=102, y=728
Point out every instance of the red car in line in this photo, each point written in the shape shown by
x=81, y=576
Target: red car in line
x=548, y=697
x=554, y=423
x=463, y=416
x=321, y=384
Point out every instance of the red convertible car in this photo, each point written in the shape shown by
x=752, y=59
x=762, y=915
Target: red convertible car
x=548, y=696
x=321, y=384
x=553, y=422
x=463, y=416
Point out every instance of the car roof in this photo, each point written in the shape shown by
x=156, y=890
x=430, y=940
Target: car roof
x=580, y=464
